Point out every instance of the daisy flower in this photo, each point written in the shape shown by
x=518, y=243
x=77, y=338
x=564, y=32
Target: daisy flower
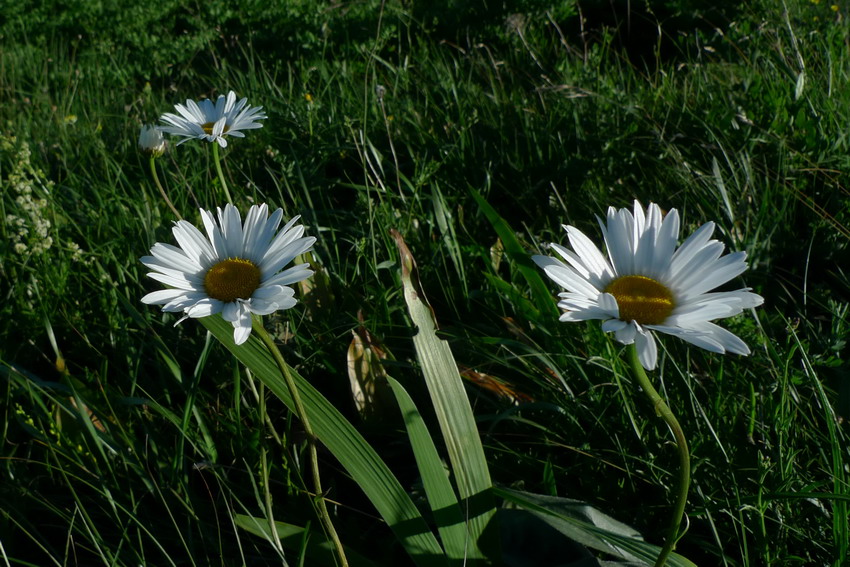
x=212, y=122
x=648, y=284
x=234, y=270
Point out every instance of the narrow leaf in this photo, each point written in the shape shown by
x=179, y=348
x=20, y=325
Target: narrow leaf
x=358, y=457
x=453, y=410
x=588, y=526
x=441, y=496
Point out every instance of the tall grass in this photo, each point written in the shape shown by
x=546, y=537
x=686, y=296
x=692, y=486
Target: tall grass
x=130, y=441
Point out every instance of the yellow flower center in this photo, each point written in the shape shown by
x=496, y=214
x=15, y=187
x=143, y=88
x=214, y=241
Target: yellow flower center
x=641, y=299
x=208, y=127
x=232, y=279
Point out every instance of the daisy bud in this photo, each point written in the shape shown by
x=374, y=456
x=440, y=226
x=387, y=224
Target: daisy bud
x=151, y=141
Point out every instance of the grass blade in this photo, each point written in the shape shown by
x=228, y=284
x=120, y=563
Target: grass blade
x=318, y=550
x=540, y=293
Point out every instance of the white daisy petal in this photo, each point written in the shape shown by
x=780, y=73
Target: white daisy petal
x=230, y=312
x=590, y=255
x=626, y=335
x=647, y=349
x=231, y=228
x=567, y=278
x=194, y=245
x=693, y=244
x=204, y=308
x=272, y=263
x=162, y=296
x=219, y=273
x=722, y=270
x=173, y=281
x=183, y=302
x=613, y=325
x=619, y=241
x=242, y=324
x=665, y=242
x=729, y=341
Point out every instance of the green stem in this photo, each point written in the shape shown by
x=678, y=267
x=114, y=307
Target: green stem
x=311, y=438
x=664, y=412
x=264, y=471
x=217, y=160
x=161, y=190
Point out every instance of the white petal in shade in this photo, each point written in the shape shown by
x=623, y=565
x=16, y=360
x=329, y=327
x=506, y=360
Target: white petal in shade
x=693, y=336
x=204, y=308
x=626, y=335
x=230, y=312
x=646, y=348
x=183, y=302
x=695, y=313
x=291, y=275
x=242, y=324
x=696, y=268
x=613, y=325
x=728, y=341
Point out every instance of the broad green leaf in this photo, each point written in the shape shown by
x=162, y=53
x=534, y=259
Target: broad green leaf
x=318, y=550
x=543, y=298
x=438, y=489
x=454, y=413
x=337, y=434
x=588, y=526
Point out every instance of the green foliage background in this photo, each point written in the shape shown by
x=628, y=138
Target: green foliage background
x=131, y=441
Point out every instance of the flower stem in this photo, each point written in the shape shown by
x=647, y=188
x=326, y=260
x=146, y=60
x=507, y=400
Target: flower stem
x=311, y=439
x=217, y=160
x=664, y=412
x=161, y=190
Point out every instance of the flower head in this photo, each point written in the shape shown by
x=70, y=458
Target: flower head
x=648, y=284
x=151, y=141
x=212, y=122
x=234, y=270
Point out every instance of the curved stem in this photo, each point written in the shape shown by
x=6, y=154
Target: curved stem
x=161, y=190
x=217, y=160
x=664, y=412
x=311, y=438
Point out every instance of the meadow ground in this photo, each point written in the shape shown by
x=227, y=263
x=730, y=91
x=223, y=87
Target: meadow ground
x=475, y=133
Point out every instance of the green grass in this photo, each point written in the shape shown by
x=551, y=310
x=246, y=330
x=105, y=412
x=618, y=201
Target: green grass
x=130, y=441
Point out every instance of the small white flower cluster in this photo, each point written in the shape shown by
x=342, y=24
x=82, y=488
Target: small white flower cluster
x=29, y=228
